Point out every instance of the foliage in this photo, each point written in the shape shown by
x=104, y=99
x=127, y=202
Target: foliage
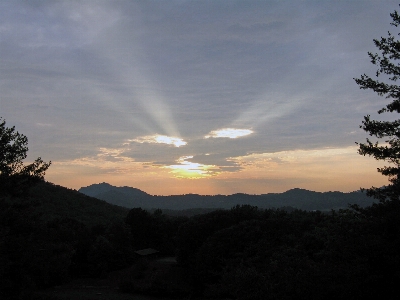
x=194, y=233
x=15, y=177
x=52, y=234
x=155, y=230
x=389, y=71
x=242, y=253
x=143, y=231
x=298, y=255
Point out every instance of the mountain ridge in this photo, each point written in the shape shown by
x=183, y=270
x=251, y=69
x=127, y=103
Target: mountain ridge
x=130, y=197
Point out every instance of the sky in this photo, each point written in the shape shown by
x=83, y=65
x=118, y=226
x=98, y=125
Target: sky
x=206, y=97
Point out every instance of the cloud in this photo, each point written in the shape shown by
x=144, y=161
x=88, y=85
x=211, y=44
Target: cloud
x=160, y=139
x=232, y=133
x=323, y=169
x=277, y=73
x=106, y=161
x=294, y=156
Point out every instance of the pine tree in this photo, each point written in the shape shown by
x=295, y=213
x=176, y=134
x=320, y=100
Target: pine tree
x=384, y=84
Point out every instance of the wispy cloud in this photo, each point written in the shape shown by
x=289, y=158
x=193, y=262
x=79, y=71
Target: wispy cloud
x=160, y=139
x=106, y=161
x=232, y=133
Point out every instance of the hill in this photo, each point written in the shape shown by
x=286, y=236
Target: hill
x=50, y=234
x=297, y=198
x=53, y=235
x=53, y=201
x=121, y=196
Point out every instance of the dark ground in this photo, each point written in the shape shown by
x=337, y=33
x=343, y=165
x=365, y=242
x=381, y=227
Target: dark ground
x=146, y=280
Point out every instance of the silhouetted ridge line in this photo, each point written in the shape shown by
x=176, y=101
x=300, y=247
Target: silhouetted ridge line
x=297, y=198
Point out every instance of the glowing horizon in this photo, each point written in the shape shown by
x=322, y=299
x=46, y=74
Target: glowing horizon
x=317, y=169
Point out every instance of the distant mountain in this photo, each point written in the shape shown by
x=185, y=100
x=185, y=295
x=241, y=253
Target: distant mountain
x=297, y=198
x=102, y=188
x=122, y=196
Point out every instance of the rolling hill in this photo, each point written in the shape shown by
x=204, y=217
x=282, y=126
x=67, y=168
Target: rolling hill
x=53, y=201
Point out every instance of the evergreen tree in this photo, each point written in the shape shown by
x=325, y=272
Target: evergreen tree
x=384, y=84
x=14, y=175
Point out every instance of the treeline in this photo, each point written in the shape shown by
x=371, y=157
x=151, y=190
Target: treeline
x=241, y=253
x=245, y=253
x=251, y=253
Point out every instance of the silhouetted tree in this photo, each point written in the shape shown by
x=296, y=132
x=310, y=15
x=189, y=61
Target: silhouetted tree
x=14, y=175
x=144, y=230
x=388, y=68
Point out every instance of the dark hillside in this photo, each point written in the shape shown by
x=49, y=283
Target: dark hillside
x=54, y=201
x=53, y=234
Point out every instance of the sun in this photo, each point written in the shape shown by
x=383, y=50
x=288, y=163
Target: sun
x=191, y=170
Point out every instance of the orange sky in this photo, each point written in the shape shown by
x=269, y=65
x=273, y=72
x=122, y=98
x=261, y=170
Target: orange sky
x=318, y=170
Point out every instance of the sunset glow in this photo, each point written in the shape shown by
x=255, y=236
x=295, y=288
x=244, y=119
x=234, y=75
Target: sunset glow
x=188, y=169
x=243, y=98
